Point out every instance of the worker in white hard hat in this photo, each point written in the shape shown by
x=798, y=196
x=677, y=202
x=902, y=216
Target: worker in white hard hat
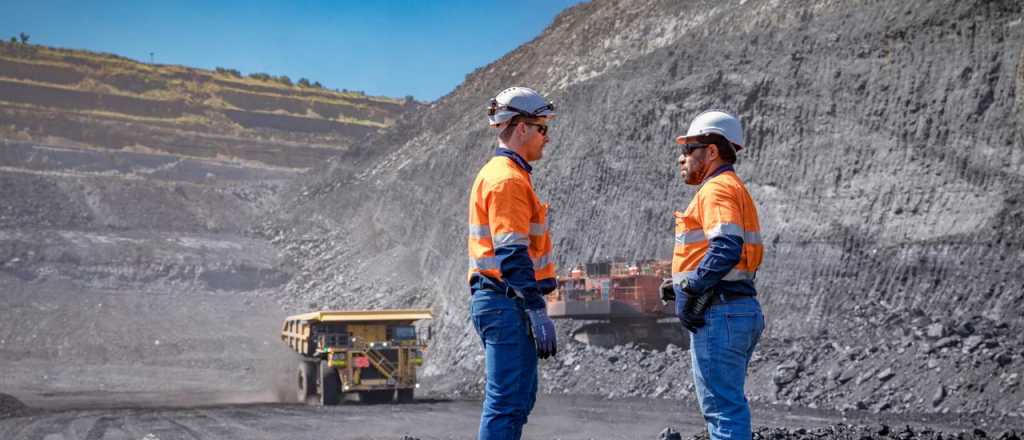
x=716, y=256
x=510, y=266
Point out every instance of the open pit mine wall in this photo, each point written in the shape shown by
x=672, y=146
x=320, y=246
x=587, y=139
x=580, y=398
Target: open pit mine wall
x=884, y=153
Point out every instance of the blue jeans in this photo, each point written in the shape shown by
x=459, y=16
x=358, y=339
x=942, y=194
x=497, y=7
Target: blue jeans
x=719, y=353
x=511, y=367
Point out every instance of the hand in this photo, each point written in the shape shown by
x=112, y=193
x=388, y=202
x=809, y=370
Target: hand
x=668, y=292
x=693, y=310
x=543, y=332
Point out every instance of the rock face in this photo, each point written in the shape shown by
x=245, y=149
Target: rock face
x=885, y=153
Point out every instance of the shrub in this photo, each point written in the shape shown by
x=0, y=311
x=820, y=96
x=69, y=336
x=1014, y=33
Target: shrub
x=229, y=72
x=303, y=82
x=261, y=76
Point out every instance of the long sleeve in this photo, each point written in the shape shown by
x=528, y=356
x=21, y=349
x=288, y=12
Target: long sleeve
x=509, y=210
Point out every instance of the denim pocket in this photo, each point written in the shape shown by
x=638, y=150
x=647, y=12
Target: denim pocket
x=742, y=330
x=488, y=324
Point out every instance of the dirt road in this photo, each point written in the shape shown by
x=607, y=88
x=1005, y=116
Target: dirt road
x=96, y=416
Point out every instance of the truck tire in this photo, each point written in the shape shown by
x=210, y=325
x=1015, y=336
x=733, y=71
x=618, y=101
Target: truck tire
x=330, y=385
x=406, y=395
x=306, y=380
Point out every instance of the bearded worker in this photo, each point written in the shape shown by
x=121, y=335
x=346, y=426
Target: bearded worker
x=717, y=252
x=510, y=267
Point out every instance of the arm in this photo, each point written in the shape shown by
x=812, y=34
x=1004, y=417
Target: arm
x=509, y=209
x=720, y=216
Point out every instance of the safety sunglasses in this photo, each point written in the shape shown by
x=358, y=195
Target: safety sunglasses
x=541, y=128
x=688, y=149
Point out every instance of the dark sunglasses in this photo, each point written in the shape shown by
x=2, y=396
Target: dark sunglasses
x=541, y=128
x=688, y=149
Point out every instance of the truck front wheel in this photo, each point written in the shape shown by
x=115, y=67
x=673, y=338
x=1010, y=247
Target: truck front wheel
x=330, y=385
x=306, y=379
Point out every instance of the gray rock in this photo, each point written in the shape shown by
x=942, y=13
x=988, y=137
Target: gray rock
x=936, y=331
x=971, y=343
x=948, y=341
x=885, y=374
x=965, y=329
x=786, y=372
x=939, y=396
x=1003, y=358
x=669, y=434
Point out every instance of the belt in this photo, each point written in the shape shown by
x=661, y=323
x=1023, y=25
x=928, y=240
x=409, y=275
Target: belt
x=508, y=293
x=724, y=297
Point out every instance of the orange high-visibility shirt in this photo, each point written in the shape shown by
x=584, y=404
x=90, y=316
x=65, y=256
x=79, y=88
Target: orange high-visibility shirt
x=718, y=238
x=508, y=239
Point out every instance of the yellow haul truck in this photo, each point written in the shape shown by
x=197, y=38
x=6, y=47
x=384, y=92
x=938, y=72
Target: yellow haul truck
x=371, y=355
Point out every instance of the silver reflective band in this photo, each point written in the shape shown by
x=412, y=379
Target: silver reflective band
x=538, y=229
x=485, y=263
x=751, y=237
x=726, y=229
x=690, y=237
x=541, y=261
x=479, y=231
x=511, y=239
x=738, y=275
x=733, y=275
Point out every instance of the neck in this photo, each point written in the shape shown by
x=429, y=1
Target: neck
x=712, y=167
x=517, y=149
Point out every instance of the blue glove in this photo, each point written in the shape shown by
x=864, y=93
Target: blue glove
x=543, y=332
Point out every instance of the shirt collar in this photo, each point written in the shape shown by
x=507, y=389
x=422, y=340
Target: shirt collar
x=722, y=169
x=502, y=151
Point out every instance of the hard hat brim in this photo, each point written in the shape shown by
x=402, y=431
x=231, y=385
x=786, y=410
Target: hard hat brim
x=686, y=139
x=693, y=139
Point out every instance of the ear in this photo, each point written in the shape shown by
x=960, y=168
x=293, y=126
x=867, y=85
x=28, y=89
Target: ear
x=713, y=152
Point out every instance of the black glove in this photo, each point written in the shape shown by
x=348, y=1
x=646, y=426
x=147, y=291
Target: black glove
x=668, y=293
x=693, y=310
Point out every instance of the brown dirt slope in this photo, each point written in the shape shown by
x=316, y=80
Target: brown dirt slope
x=74, y=98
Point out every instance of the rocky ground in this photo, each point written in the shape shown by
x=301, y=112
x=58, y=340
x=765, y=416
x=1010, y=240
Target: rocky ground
x=932, y=369
x=860, y=432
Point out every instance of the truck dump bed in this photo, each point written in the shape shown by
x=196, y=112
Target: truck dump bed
x=297, y=329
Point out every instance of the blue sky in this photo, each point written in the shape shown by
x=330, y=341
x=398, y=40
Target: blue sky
x=392, y=48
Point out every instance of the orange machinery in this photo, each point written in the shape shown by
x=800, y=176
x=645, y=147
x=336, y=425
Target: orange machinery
x=612, y=291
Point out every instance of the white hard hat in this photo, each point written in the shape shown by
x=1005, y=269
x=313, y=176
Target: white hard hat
x=717, y=122
x=518, y=101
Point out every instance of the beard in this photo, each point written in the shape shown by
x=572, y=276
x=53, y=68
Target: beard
x=695, y=172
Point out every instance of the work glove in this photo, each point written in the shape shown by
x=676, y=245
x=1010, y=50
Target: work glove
x=693, y=310
x=668, y=292
x=543, y=332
